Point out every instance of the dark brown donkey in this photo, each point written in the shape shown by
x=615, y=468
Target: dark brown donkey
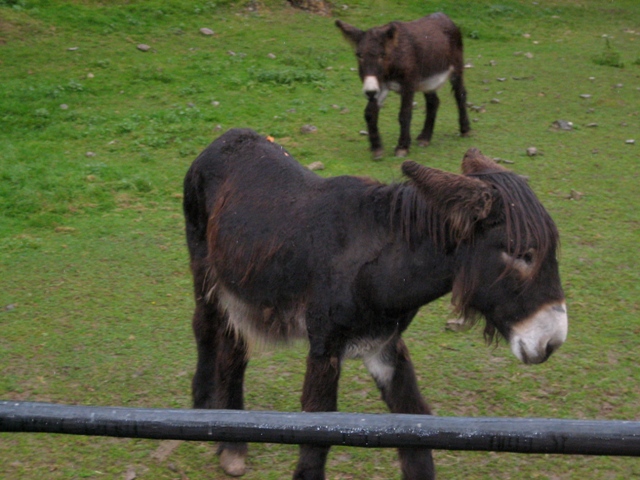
x=278, y=253
x=409, y=57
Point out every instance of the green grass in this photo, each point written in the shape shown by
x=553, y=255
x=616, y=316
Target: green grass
x=95, y=138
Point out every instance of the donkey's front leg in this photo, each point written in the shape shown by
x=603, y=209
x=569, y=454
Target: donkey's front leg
x=404, y=117
x=393, y=372
x=319, y=394
x=371, y=117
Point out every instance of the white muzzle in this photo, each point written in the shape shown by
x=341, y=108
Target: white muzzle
x=371, y=86
x=534, y=339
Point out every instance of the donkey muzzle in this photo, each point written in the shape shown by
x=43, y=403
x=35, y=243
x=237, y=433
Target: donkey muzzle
x=534, y=339
x=371, y=87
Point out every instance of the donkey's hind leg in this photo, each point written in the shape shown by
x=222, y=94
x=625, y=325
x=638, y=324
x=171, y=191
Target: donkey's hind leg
x=222, y=358
x=231, y=365
x=393, y=372
x=217, y=383
x=432, y=103
x=460, y=93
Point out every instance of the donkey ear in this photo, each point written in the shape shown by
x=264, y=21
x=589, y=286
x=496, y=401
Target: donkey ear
x=352, y=34
x=475, y=162
x=460, y=200
x=391, y=31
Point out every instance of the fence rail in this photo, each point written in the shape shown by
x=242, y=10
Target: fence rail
x=518, y=435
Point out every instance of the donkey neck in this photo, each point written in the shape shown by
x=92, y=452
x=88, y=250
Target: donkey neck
x=416, y=220
x=416, y=265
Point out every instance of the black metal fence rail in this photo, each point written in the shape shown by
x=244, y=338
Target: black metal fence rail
x=519, y=435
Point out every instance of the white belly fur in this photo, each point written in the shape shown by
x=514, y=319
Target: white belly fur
x=258, y=325
x=434, y=82
x=429, y=84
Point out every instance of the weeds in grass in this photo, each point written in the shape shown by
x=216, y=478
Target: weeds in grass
x=609, y=57
x=289, y=76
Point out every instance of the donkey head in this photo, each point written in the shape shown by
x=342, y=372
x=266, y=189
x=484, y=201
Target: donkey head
x=373, y=49
x=506, y=242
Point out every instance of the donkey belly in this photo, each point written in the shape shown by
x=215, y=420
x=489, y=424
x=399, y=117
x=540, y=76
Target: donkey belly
x=434, y=82
x=262, y=324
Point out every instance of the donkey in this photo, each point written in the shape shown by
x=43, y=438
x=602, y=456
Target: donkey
x=279, y=253
x=409, y=57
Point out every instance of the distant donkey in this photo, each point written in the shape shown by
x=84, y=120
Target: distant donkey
x=409, y=57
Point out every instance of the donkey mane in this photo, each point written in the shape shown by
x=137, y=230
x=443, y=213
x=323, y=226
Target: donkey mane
x=416, y=218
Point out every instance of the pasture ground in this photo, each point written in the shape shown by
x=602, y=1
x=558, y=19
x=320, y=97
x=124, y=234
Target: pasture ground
x=95, y=138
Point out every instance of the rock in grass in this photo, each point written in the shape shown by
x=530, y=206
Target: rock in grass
x=631, y=141
x=61, y=229
x=455, y=325
x=532, y=151
x=315, y=166
x=206, y=31
x=562, y=125
x=478, y=108
x=308, y=129
x=575, y=195
x=143, y=47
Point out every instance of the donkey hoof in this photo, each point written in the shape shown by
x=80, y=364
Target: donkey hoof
x=377, y=154
x=402, y=152
x=232, y=463
x=423, y=143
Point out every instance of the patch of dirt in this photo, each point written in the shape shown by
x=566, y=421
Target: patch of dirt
x=18, y=26
x=165, y=449
x=321, y=7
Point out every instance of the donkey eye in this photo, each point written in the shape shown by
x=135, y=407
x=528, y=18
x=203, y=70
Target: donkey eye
x=527, y=256
x=522, y=262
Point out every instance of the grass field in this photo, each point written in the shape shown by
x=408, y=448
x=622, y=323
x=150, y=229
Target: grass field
x=95, y=138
